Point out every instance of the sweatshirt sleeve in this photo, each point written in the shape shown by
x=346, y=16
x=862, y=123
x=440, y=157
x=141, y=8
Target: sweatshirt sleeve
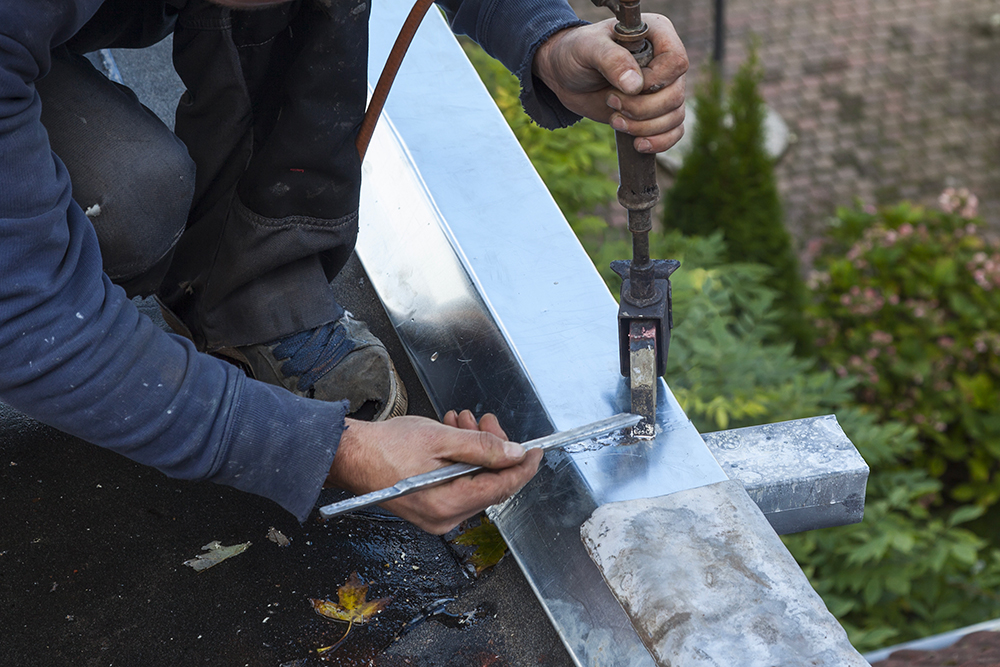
x=511, y=31
x=76, y=354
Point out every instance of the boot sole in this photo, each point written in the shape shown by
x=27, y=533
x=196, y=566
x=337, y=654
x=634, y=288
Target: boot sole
x=398, y=399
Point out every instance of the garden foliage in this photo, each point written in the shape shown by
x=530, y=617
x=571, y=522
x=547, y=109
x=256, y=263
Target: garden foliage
x=908, y=304
x=913, y=567
x=727, y=184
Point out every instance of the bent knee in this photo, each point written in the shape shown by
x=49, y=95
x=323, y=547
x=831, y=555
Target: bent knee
x=141, y=213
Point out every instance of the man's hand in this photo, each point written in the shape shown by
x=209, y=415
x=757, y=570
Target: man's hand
x=374, y=456
x=595, y=77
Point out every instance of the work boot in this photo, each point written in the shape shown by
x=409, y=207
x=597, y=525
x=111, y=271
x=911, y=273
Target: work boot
x=341, y=360
x=337, y=361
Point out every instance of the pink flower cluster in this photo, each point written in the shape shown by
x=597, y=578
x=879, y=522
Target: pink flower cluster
x=987, y=341
x=985, y=269
x=827, y=331
x=879, y=337
x=881, y=341
x=882, y=237
x=925, y=309
x=969, y=230
x=867, y=301
x=861, y=369
x=817, y=279
x=938, y=425
x=960, y=201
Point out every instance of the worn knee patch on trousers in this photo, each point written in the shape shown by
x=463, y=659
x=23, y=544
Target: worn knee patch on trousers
x=131, y=175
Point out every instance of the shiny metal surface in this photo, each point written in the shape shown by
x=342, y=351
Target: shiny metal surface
x=803, y=474
x=501, y=310
x=580, y=437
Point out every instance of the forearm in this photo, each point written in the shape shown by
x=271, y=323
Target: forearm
x=76, y=354
x=512, y=31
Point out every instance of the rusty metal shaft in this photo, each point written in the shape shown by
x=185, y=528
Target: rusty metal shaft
x=638, y=193
x=637, y=190
x=644, y=311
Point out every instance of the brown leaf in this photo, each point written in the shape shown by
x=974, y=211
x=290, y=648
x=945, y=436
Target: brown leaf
x=277, y=537
x=353, y=605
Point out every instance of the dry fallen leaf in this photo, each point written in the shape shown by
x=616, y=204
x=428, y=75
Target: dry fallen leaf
x=216, y=554
x=488, y=543
x=277, y=537
x=353, y=606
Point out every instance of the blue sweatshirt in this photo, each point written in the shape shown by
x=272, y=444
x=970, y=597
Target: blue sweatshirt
x=76, y=354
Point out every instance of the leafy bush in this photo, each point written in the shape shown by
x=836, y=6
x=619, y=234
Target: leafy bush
x=908, y=304
x=906, y=571
x=910, y=569
x=727, y=184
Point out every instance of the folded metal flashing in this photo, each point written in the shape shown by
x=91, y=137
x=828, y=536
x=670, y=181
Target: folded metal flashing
x=802, y=474
x=500, y=310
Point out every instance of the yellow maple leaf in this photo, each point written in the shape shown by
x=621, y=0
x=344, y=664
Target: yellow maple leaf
x=353, y=605
x=488, y=543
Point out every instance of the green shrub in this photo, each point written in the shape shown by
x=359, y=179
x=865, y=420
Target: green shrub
x=908, y=304
x=697, y=202
x=910, y=569
x=906, y=571
x=727, y=184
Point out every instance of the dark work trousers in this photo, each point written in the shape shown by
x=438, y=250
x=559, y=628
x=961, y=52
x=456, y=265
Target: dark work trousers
x=273, y=102
x=130, y=173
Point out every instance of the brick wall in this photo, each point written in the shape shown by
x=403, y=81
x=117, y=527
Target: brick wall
x=886, y=99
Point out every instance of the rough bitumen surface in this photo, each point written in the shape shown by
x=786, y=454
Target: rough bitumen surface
x=92, y=548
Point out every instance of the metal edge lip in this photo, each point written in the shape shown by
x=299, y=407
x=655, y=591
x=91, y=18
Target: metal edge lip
x=772, y=487
x=934, y=642
x=388, y=138
x=449, y=233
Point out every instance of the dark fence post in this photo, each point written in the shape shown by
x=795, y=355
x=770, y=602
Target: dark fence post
x=719, y=53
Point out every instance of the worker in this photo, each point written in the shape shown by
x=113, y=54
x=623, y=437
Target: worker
x=237, y=223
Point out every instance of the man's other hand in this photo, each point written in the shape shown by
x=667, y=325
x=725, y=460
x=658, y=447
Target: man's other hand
x=375, y=456
x=595, y=77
